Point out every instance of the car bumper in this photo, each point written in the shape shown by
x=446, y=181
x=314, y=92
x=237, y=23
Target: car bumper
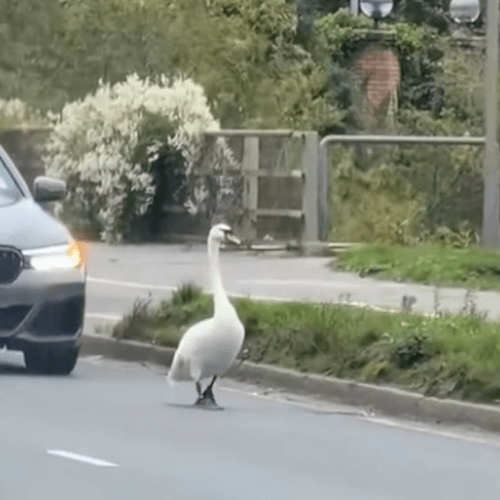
x=43, y=307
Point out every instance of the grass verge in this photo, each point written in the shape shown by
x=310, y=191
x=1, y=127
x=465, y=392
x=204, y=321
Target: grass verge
x=444, y=356
x=430, y=264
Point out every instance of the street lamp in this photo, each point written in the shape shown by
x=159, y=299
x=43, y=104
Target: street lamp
x=372, y=8
x=465, y=11
x=376, y=9
x=468, y=11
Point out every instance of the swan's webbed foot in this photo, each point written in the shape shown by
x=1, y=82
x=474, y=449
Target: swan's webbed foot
x=206, y=399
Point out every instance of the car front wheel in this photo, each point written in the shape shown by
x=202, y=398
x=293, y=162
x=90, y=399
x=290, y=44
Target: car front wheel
x=51, y=360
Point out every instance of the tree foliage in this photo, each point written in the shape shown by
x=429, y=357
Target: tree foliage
x=243, y=53
x=272, y=64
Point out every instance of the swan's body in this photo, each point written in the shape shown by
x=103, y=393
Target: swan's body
x=208, y=348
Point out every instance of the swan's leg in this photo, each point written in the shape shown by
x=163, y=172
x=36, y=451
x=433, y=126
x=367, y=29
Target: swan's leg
x=201, y=396
x=207, y=398
x=208, y=394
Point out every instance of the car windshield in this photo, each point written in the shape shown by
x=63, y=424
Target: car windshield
x=7, y=183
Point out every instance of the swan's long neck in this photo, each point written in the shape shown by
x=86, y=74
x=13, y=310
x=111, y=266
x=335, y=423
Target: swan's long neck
x=221, y=302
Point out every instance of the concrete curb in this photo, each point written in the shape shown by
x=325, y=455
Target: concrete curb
x=385, y=400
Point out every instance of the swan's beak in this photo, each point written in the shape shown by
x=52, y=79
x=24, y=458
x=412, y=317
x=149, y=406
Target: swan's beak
x=231, y=238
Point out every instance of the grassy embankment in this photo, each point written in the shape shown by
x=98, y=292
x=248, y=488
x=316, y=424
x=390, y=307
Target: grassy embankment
x=444, y=356
x=472, y=267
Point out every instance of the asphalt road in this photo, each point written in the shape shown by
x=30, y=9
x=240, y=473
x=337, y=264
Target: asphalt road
x=120, y=274
x=107, y=432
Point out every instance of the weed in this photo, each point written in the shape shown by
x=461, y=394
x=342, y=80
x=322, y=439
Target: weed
x=470, y=305
x=188, y=292
x=438, y=312
x=410, y=351
x=134, y=324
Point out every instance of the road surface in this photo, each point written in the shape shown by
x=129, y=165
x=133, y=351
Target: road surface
x=120, y=274
x=108, y=432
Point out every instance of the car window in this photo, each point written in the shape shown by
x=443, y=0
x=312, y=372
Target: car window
x=7, y=182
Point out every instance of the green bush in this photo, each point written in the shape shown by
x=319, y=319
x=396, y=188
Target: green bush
x=378, y=206
x=101, y=147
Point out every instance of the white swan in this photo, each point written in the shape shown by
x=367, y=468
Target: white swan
x=208, y=348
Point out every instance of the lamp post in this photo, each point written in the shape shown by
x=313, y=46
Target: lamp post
x=491, y=208
x=354, y=7
x=468, y=11
x=376, y=9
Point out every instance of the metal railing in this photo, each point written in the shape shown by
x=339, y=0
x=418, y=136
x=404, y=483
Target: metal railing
x=323, y=177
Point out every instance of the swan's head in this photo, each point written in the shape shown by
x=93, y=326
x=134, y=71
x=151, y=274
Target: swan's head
x=222, y=233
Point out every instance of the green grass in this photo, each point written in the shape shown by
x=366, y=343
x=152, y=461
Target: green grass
x=444, y=356
x=431, y=264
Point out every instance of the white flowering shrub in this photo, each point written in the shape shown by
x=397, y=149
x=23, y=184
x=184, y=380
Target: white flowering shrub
x=15, y=113
x=95, y=141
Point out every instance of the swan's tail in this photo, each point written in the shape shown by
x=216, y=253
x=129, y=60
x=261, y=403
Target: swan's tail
x=179, y=370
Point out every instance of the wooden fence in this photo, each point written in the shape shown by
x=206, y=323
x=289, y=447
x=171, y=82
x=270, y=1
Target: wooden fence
x=278, y=197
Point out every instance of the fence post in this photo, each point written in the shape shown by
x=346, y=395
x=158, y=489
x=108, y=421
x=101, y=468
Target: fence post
x=250, y=186
x=310, y=197
x=323, y=183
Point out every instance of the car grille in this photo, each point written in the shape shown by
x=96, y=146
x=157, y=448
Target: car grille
x=59, y=318
x=11, y=263
x=11, y=317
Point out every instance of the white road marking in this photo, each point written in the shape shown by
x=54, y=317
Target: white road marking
x=172, y=288
x=422, y=427
x=264, y=298
x=482, y=437
x=81, y=458
x=110, y=317
x=284, y=398
x=315, y=283
x=351, y=303
x=131, y=284
x=91, y=359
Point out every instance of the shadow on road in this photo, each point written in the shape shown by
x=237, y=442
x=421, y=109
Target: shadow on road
x=11, y=369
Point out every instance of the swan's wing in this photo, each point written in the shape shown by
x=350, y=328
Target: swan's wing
x=184, y=366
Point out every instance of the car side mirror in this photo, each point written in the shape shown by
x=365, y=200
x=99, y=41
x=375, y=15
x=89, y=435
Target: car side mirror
x=48, y=189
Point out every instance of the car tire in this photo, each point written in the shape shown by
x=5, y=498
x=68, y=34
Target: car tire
x=51, y=360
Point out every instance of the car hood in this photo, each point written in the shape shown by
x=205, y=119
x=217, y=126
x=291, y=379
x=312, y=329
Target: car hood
x=24, y=224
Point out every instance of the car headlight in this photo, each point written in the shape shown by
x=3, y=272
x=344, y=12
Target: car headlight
x=58, y=257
